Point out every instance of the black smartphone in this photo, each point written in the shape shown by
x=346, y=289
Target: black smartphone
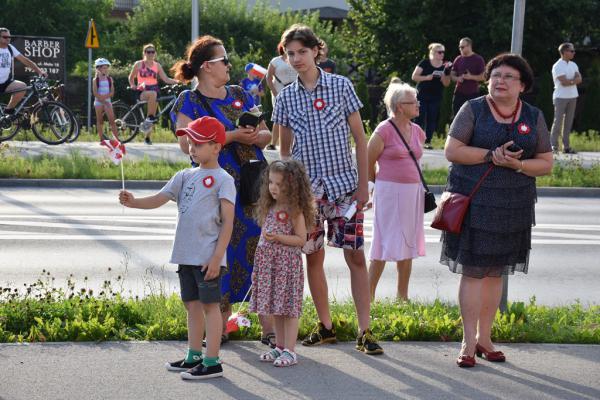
x=514, y=148
x=249, y=119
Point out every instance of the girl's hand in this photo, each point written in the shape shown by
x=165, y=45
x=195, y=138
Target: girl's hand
x=247, y=135
x=270, y=237
x=126, y=198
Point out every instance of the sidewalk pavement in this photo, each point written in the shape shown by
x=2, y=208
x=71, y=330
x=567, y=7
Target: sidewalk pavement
x=408, y=370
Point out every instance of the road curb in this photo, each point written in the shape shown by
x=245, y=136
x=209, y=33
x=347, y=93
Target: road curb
x=580, y=192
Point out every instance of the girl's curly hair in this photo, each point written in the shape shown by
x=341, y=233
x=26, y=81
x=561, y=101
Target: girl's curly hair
x=295, y=188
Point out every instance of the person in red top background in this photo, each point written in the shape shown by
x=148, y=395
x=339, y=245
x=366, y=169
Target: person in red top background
x=467, y=72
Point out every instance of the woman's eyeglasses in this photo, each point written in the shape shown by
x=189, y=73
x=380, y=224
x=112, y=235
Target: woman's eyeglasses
x=150, y=51
x=440, y=51
x=506, y=77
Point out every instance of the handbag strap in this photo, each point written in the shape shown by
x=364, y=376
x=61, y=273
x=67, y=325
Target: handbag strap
x=480, y=181
x=411, y=155
x=211, y=112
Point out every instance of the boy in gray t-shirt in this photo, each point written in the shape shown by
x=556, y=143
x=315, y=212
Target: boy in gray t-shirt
x=205, y=199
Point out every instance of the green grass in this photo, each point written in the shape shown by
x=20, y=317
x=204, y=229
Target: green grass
x=76, y=166
x=571, y=175
x=580, y=141
x=41, y=312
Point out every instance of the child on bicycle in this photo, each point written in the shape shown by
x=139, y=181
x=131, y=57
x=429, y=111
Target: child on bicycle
x=103, y=90
x=205, y=197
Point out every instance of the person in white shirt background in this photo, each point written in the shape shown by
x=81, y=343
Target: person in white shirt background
x=8, y=53
x=566, y=76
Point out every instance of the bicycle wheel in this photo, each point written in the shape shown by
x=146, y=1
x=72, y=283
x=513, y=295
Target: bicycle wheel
x=52, y=122
x=8, y=129
x=127, y=120
x=75, y=130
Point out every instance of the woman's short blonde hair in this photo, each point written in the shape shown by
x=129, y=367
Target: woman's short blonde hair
x=395, y=93
x=433, y=47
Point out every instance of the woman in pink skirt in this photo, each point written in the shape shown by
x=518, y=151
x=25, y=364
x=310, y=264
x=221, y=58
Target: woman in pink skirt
x=398, y=233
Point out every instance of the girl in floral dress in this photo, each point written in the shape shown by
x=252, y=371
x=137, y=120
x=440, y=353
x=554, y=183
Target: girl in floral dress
x=286, y=212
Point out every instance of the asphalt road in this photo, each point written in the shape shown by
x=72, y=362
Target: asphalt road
x=85, y=231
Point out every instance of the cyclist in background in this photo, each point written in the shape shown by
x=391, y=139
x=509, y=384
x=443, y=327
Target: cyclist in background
x=8, y=53
x=146, y=72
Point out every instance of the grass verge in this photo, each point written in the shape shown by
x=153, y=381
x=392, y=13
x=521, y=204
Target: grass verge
x=40, y=312
x=76, y=166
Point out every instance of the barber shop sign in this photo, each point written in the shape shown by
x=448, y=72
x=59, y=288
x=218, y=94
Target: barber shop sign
x=48, y=53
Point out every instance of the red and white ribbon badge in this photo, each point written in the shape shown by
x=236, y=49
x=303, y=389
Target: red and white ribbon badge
x=319, y=104
x=237, y=104
x=208, y=182
x=523, y=128
x=281, y=216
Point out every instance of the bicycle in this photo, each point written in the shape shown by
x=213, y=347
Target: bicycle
x=130, y=120
x=56, y=92
x=51, y=121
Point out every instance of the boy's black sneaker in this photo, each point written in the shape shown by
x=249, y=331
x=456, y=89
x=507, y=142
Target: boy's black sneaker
x=203, y=372
x=320, y=335
x=181, y=365
x=368, y=344
x=570, y=150
x=148, y=141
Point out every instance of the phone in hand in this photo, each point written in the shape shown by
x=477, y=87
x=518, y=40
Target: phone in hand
x=437, y=73
x=514, y=148
x=250, y=119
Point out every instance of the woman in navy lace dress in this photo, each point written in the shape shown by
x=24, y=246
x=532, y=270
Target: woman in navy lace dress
x=501, y=130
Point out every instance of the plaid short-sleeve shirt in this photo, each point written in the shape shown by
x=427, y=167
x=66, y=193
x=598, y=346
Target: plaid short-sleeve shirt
x=319, y=122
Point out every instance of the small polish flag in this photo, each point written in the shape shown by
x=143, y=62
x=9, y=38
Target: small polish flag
x=258, y=71
x=116, y=150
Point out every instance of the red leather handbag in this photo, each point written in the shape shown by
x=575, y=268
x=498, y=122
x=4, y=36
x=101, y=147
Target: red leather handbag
x=453, y=207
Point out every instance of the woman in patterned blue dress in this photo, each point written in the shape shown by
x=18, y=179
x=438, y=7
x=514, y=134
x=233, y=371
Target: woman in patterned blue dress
x=207, y=61
x=500, y=130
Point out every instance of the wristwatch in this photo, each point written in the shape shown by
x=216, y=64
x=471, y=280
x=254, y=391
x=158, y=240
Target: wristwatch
x=488, y=156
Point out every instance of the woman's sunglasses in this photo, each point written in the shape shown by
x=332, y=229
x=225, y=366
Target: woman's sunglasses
x=225, y=60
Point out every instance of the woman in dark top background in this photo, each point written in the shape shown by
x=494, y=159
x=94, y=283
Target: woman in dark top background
x=431, y=75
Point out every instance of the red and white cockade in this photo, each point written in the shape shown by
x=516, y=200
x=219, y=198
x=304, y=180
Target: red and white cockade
x=523, y=129
x=319, y=104
x=237, y=104
x=281, y=216
x=208, y=182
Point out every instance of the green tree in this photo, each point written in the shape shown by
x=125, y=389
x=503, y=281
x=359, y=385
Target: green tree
x=68, y=18
x=391, y=36
x=249, y=34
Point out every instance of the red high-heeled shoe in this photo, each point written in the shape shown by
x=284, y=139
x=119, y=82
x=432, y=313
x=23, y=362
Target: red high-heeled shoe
x=493, y=356
x=465, y=361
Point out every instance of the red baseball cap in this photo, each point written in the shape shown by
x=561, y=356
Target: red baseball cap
x=205, y=129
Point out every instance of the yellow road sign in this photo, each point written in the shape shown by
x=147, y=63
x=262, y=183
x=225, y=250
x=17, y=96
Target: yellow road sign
x=92, y=42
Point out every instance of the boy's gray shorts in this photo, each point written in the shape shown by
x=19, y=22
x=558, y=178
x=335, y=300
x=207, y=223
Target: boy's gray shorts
x=194, y=287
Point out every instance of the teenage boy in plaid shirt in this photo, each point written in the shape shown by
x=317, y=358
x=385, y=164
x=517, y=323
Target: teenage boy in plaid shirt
x=317, y=113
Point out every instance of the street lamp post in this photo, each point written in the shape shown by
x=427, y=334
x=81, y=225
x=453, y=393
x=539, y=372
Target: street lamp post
x=516, y=46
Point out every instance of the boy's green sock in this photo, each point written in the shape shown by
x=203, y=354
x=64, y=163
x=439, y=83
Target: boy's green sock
x=210, y=361
x=193, y=356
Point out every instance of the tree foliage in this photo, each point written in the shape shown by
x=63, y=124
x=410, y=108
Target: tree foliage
x=68, y=18
x=249, y=34
x=391, y=36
